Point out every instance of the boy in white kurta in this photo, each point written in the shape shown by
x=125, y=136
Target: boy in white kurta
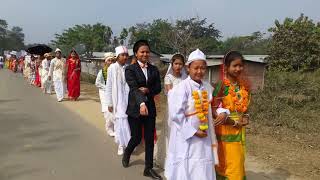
x=101, y=82
x=117, y=92
x=192, y=145
x=57, y=73
x=45, y=81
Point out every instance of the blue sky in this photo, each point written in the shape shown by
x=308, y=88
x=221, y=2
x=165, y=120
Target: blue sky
x=41, y=19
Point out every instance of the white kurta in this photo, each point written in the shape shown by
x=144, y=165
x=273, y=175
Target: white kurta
x=117, y=92
x=101, y=84
x=189, y=157
x=45, y=82
x=57, y=73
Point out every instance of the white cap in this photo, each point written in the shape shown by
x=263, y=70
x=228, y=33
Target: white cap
x=120, y=50
x=58, y=50
x=13, y=53
x=108, y=55
x=196, y=55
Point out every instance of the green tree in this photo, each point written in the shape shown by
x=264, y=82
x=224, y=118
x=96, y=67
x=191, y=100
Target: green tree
x=88, y=37
x=15, y=38
x=252, y=44
x=295, y=45
x=181, y=36
x=123, y=36
x=11, y=39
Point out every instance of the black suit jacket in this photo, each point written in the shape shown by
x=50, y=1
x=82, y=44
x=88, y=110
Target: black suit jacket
x=136, y=79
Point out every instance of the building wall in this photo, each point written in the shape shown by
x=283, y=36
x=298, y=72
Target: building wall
x=94, y=66
x=253, y=71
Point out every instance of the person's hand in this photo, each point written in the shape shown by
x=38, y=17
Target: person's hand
x=244, y=120
x=221, y=119
x=143, y=110
x=110, y=109
x=144, y=90
x=201, y=134
x=49, y=78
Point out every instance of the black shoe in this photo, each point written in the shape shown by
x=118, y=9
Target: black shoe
x=151, y=173
x=125, y=159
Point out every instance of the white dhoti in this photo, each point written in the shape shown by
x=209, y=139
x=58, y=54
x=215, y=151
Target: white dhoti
x=122, y=130
x=59, y=88
x=117, y=92
x=109, y=125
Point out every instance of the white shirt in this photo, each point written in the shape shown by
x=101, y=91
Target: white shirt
x=144, y=70
x=117, y=90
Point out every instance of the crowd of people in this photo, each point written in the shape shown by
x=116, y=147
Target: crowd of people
x=205, y=123
x=48, y=72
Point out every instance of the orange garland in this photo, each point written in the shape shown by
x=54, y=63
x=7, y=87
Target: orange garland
x=202, y=108
x=236, y=101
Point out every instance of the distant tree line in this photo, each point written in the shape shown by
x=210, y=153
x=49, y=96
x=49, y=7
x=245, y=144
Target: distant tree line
x=10, y=39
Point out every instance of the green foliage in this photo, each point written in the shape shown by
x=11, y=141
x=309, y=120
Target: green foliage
x=11, y=39
x=97, y=37
x=181, y=36
x=123, y=36
x=289, y=99
x=295, y=45
x=252, y=44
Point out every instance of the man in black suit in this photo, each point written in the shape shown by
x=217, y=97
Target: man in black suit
x=144, y=82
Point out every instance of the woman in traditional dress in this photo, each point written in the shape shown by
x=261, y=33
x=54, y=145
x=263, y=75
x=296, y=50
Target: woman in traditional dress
x=32, y=73
x=232, y=93
x=73, y=75
x=37, y=81
x=175, y=74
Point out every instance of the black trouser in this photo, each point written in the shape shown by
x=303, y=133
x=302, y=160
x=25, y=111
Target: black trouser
x=136, y=135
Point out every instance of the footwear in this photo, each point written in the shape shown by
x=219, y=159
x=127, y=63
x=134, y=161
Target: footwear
x=151, y=173
x=120, y=150
x=125, y=159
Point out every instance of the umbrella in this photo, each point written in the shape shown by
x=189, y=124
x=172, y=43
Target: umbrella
x=39, y=49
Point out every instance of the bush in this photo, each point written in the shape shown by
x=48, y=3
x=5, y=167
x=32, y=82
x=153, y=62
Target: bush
x=289, y=99
x=86, y=77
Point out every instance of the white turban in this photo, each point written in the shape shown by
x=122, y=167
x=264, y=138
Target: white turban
x=196, y=55
x=108, y=55
x=57, y=50
x=120, y=50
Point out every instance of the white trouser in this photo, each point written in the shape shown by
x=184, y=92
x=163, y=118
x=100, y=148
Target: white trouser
x=59, y=89
x=47, y=86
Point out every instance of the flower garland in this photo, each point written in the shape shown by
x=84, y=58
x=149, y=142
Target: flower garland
x=236, y=97
x=201, y=106
x=105, y=73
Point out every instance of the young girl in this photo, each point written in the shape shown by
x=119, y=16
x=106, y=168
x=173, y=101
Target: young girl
x=192, y=137
x=176, y=72
x=233, y=94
